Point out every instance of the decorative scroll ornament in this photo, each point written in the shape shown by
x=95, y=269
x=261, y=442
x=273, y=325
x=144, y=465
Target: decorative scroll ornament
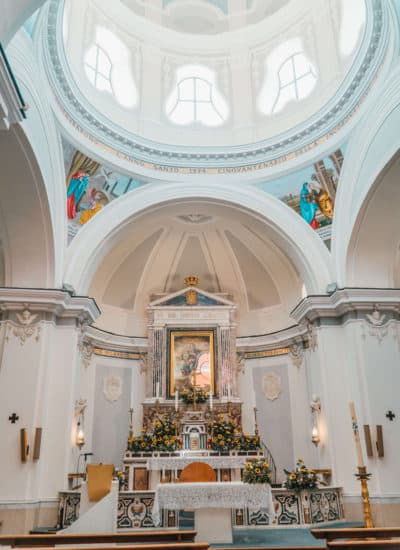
x=272, y=384
x=112, y=387
x=240, y=363
x=26, y=327
x=296, y=353
x=86, y=349
x=143, y=362
x=377, y=323
x=312, y=336
x=80, y=406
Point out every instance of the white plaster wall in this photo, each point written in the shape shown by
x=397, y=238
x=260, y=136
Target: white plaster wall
x=37, y=382
x=107, y=422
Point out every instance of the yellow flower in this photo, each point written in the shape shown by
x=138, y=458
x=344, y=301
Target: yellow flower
x=292, y=476
x=219, y=436
x=143, y=444
x=221, y=442
x=257, y=470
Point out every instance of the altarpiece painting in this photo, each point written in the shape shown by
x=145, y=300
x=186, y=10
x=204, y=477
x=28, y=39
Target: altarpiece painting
x=191, y=360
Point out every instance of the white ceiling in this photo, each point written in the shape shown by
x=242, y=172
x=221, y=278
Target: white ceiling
x=228, y=250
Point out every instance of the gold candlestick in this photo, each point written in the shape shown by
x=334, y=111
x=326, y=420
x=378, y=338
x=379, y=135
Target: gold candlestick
x=256, y=432
x=363, y=476
x=130, y=422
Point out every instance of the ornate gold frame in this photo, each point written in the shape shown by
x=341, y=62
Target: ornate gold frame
x=174, y=334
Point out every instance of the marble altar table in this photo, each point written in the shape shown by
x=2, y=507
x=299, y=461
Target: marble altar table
x=212, y=503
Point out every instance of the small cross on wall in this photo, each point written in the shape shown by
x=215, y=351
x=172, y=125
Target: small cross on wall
x=13, y=418
x=390, y=415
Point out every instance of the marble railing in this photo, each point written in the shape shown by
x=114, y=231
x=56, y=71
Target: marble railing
x=135, y=507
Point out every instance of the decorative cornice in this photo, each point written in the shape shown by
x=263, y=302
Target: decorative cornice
x=56, y=302
x=355, y=301
x=103, y=340
x=147, y=154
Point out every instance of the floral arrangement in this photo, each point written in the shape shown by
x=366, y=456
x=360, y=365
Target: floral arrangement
x=249, y=442
x=257, y=471
x=194, y=395
x=301, y=478
x=224, y=435
x=120, y=476
x=140, y=444
x=164, y=436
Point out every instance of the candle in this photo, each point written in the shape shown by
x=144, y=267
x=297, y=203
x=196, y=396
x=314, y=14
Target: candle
x=176, y=400
x=158, y=390
x=211, y=401
x=356, y=434
x=229, y=392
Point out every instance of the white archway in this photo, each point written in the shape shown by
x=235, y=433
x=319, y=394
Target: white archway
x=289, y=232
x=13, y=16
x=375, y=142
x=32, y=198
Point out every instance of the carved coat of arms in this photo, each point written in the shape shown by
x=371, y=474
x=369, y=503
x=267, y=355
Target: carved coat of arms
x=271, y=384
x=112, y=387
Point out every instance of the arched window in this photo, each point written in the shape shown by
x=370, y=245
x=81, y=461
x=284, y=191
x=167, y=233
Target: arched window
x=196, y=98
x=108, y=68
x=290, y=76
x=98, y=68
x=296, y=80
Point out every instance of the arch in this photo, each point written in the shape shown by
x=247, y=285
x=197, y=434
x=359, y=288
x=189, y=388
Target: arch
x=32, y=197
x=374, y=145
x=25, y=218
x=376, y=233
x=287, y=230
x=13, y=16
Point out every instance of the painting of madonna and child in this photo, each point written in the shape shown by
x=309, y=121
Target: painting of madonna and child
x=311, y=191
x=191, y=357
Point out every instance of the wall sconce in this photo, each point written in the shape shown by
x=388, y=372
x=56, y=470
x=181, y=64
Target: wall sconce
x=80, y=435
x=80, y=420
x=315, y=436
x=315, y=406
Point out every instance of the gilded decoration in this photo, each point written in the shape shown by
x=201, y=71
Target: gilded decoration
x=117, y=354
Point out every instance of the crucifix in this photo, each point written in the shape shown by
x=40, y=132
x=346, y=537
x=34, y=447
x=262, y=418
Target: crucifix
x=13, y=418
x=390, y=415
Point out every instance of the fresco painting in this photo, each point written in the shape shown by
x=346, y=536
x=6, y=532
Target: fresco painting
x=311, y=191
x=90, y=187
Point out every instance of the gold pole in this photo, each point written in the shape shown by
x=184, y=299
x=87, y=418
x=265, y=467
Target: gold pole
x=364, y=477
x=130, y=422
x=256, y=433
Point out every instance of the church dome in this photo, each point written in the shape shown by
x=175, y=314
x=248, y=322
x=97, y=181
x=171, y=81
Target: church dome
x=255, y=81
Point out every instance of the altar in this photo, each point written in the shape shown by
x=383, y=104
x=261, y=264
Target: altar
x=209, y=499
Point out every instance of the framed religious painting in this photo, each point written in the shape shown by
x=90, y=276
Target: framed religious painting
x=191, y=360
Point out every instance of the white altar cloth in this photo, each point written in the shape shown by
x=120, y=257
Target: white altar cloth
x=179, y=462
x=194, y=496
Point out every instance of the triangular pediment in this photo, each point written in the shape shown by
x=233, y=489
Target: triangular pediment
x=203, y=298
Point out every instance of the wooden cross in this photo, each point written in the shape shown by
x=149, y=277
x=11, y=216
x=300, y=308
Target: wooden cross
x=13, y=418
x=390, y=415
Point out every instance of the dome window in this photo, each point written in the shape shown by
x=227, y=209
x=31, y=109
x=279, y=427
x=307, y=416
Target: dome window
x=291, y=76
x=108, y=68
x=98, y=68
x=195, y=98
x=297, y=79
